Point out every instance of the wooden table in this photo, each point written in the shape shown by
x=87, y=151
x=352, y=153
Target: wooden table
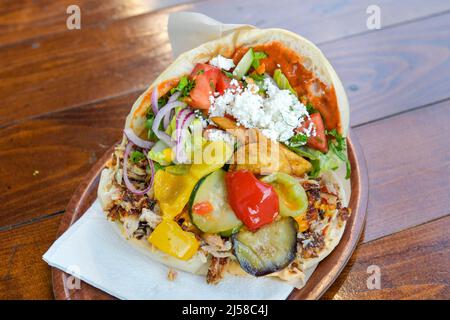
x=64, y=95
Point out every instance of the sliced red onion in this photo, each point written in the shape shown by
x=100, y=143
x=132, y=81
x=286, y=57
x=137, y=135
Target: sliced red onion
x=155, y=100
x=136, y=140
x=125, y=172
x=159, y=116
x=168, y=116
x=174, y=97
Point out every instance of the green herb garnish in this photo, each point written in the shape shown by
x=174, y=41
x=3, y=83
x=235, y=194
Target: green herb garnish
x=298, y=140
x=228, y=74
x=184, y=86
x=136, y=156
x=310, y=108
x=258, y=55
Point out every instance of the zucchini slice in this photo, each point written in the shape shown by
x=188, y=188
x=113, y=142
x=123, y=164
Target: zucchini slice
x=269, y=249
x=221, y=219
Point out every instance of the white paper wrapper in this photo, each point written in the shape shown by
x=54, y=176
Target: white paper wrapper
x=95, y=252
x=188, y=30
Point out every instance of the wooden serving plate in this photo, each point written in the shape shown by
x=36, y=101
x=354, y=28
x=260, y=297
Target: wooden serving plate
x=325, y=274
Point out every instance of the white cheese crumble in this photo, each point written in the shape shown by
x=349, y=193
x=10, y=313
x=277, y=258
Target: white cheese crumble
x=220, y=135
x=222, y=63
x=277, y=114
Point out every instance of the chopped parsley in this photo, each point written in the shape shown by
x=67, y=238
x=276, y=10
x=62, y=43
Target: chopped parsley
x=228, y=74
x=310, y=108
x=298, y=140
x=136, y=156
x=258, y=55
x=157, y=166
x=184, y=86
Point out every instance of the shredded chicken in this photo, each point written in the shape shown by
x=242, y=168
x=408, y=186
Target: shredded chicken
x=216, y=246
x=171, y=275
x=216, y=270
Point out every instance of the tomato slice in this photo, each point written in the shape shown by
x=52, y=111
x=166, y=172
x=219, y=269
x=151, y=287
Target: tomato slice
x=201, y=68
x=203, y=207
x=205, y=85
x=223, y=83
x=319, y=142
x=254, y=202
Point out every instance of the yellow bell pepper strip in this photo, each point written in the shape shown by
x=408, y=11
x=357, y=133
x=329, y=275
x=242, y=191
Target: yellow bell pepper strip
x=215, y=154
x=173, y=190
x=171, y=239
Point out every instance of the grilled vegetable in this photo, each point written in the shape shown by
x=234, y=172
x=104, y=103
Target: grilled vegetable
x=267, y=250
x=173, y=191
x=254, y=202
x=292, y=196
x=171, y=239
x=209, y=208
x=288, y=161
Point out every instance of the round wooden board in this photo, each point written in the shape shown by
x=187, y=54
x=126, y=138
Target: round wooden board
x=325, y=274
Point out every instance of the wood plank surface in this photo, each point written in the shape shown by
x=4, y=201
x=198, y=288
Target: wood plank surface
x=320, y=21
x=394, y=70
x=75, y=68
x=408, y=159
x=413, y=265
x=44, y=159
x=23, y=273
x=23, y=20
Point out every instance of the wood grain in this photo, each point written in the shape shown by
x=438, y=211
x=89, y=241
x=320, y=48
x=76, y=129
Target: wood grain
x=43, y=160
x=396, y=69
x=23, y=273
x=413, y=264
x=24, y=20
x=408, y=158
x=76, y=68
x=320, y=21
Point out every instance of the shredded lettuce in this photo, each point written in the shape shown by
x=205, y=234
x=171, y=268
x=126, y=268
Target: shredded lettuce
x=339, y=147
x=156, y=153
x=320, y=162
x=185, y=85
x=136, y=156
x=298, y=140
x=258, y=55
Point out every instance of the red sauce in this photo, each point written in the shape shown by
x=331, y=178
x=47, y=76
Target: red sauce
x=300, y=78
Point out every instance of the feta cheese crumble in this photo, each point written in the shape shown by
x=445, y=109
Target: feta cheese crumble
x=220, y=135
x=277, y=114
x=222, y=63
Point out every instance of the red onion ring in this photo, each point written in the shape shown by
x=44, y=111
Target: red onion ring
x=136, y=140
x=128, y=183
x=168, y=116
x=155, y=100
x=159, y=116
